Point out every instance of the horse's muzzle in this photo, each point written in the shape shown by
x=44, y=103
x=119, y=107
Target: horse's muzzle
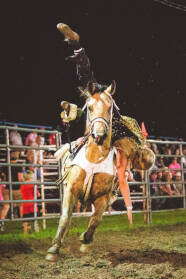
x=99, y=129
x=99, y=137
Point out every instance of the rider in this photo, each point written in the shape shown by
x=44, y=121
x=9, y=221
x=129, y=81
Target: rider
x=133, y=147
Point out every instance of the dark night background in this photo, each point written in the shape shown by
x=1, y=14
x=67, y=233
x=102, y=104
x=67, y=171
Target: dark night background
x=140, y=44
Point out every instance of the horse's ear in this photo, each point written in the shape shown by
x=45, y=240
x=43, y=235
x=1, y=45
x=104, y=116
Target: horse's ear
x=91, y=87
x=112, y=88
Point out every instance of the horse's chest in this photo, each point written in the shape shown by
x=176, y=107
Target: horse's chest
x=106, y=166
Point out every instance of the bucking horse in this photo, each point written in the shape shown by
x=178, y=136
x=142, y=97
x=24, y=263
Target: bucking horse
x=97, y=154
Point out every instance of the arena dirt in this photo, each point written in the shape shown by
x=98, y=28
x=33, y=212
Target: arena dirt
x=158, y=253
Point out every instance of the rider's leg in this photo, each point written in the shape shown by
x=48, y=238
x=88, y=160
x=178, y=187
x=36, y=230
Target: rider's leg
x=79, y=57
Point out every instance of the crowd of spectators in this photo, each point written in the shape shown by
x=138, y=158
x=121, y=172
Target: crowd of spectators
x=21, y=174
x=165, y=177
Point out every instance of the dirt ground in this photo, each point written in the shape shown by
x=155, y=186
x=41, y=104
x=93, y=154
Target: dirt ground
x=154, y=253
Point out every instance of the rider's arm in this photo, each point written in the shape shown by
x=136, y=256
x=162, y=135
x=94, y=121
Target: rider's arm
x=121, y=165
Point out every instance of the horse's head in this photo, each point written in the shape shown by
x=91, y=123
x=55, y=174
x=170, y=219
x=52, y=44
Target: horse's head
x=99, y=112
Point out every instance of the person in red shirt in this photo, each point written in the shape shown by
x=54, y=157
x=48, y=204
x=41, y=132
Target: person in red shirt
x=27, y=191
x=52, y=139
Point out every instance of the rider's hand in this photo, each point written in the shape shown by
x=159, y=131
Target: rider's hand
x=129, y=215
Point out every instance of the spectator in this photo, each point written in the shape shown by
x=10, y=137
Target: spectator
x=183, y=159
x=159, y=162
x=27, y=191
x=167, y=160
x=154, y=148
x=34, y=155
x=174, y=148
x=31, y=138
x=159, y=175
x=15, y=137
x=42, y=136
x=174, y=165
x=177, y=153
x=178, y=178
x=52, y=139
x=155, y=190
x=169, y=189
x=3, y=173
x=1, y=199
x=166, y=188
x=17, y=175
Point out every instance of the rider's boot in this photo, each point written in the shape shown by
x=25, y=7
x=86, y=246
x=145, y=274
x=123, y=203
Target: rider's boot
x=72, y=38
x=68, y=33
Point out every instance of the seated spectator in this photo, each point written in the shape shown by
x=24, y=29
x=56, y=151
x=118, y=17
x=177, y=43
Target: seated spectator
x=159, y=175
x=27, y=191
x=177, y=151
x=174, y=165
x=159, y=162
x=173, y=148
x=179, y=186
x=167, y=187
x=170, y=189
x=31, y=138
x=165, y=148
x=167, y=160
x=153, y=187
x=155, y=191
x=17, y=175
x=130, y=178
x=154, y=148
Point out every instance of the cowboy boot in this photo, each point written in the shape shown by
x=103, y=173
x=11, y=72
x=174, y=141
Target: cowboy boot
x=68, y=33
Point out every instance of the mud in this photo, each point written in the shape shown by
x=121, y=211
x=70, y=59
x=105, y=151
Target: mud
x=135, y=254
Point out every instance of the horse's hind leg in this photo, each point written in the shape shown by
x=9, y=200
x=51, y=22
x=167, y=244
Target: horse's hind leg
x=100, y=205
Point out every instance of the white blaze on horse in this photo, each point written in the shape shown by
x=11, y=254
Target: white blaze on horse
x=93, y=165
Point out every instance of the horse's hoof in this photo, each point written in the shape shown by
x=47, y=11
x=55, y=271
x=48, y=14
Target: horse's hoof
x=84, y=248
x=51, y=257
x=54, y=249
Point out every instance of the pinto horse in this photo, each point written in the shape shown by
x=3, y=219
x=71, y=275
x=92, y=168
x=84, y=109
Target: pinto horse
x=96, y=152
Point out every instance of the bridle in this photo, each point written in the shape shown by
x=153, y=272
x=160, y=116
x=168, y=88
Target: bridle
x=108, y=124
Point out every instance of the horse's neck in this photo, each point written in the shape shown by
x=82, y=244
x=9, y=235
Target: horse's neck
x=97, y=153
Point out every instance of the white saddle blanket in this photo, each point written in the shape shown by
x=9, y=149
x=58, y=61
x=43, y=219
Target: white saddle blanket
x=106, y=166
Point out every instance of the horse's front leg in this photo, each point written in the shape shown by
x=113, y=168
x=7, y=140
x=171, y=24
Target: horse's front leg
x=71, y=193
x=100, y=205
